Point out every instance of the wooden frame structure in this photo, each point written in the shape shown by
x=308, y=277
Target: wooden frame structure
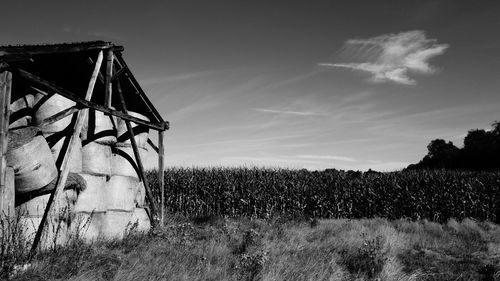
x=117, y=73
x=5, y=93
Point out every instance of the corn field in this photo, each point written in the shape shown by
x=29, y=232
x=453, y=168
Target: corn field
x=267, y=193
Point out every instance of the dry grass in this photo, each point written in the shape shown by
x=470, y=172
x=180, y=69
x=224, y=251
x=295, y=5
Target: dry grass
x=244, y=249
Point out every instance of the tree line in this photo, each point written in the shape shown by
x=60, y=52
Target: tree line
x=481, y=151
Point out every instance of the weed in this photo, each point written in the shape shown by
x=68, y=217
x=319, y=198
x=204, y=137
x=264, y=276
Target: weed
x=368, y=259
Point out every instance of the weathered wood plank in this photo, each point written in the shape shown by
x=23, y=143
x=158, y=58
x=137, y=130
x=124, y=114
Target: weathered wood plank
x=58, y=116
x=64, y=170
x=161, y=176
x=100, y=76
x=149, y=194
x=108, y=86
x=118, y=74
x=3, y=107
x=27, y=50
x=150, y=142
x=5, y=93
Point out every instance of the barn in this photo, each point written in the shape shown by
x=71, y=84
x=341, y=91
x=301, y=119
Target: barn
x=74, y=127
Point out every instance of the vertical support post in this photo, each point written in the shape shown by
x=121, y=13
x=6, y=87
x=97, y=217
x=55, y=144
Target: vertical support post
x=152, y=202
x=161, y=177
x=108, y=92
x=6, y=207
x=64, y=170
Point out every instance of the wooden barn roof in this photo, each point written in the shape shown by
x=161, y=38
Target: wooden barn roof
x=67, y=67
x=16, y=52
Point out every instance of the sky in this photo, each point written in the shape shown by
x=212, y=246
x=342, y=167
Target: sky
x=295, y=84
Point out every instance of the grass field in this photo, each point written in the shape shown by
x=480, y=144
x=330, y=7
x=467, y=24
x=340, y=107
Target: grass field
x=273, y=224
x=246, y=249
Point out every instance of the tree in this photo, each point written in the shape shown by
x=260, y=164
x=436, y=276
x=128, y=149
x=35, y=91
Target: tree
x=481, y=151
x=478, y=152
x=441, y=154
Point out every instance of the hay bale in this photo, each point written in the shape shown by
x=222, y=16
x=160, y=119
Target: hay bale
x=140, y=196
x=120, y=193
x=74, y=181
x=141, y=132
x=21, y=111
x=21, y=136
x=140, y=221
x=99, y=127
x=46, y=106
x=55, y=232
x=115, y=224
x=96, y=159
x=123, y=160
x=86, y=226
x=92, y=199
x=60, y=142
x=32, y=160
x=35, y=207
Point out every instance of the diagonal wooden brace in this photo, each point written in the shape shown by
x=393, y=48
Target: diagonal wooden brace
x=64, y=170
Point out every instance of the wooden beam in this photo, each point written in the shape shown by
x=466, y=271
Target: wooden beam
x=66, y=93
x=108, y=86
x=58, y=116
x=5, y=93
x=118, y=74
x=100, y=76
x=161, y=176
x=29, y=50
x=64, y=170
x=153, y=146
x=142, y=175
x=121, y=62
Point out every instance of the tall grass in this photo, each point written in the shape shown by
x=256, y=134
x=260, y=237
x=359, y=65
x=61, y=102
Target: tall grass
x=252, y=249
x=265, y=193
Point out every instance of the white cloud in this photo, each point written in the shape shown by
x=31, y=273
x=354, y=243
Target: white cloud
x=185, y=77
x=287, y=112
x=392, y=57
x=327, y=157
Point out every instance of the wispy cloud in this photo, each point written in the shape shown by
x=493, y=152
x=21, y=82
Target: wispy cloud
x=184, y=77
x=194, y=108
x=288, y=112
x=392, y=57
x=246, y=142
x=272, y=161
x=327, y=157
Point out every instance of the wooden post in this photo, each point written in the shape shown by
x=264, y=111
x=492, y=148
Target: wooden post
x=153, y=146
x=152, y=202
x=161, y=178
x=64, y=170
x=109, y=74
x=6, y=206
